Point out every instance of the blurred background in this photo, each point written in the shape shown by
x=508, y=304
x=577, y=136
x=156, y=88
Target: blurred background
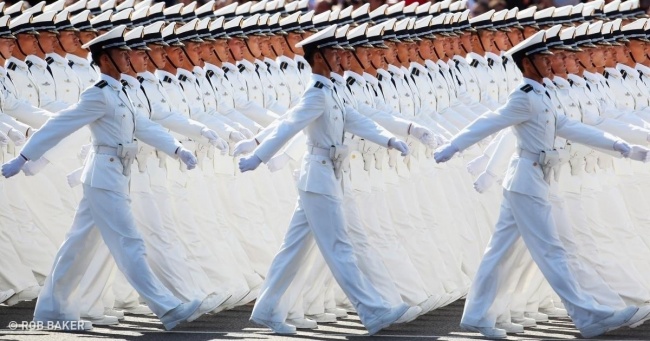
x=477, y=6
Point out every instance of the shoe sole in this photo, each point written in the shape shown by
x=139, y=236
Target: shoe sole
x=640, y=322
x=473, y=329
x=259, y=322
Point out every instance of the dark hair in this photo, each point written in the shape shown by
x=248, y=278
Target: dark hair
x=95, y=55
x=519, y=62
x=310, y=52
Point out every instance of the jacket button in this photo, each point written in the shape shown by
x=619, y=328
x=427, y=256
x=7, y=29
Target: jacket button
x=324, y=162
x=111, y=159
x=535, y=164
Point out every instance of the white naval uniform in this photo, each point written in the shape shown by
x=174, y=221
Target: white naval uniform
x=24, y=81
x=104, y=212
x=84, y=69
x=67, y=82
x=44, y=78
x=525, y=207
x=243, y=101
x=322, y=115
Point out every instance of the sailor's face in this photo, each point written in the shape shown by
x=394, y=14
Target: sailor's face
x=28, y=43
x=121, y=59
x=515, y=35
x=254, y=46
x=175, y=55
x=621, y=54
x=7, y=47
x=346, y=59
x=221, y=47
x=543, y=65
x=139, y=60
x=46, y=40
x=85, y=37
x=529, y=31
x=69, y=41
x=193, y=50
x=424, y=47
x=158, y=55
x=377, y=58
x=571, y=62
x=236, y=46
x=557, y=62
x=598, y=56
x=333, y=58
x=637, y=49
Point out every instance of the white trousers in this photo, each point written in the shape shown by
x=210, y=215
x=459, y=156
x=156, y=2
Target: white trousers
x=531, y=219
x=102, y=215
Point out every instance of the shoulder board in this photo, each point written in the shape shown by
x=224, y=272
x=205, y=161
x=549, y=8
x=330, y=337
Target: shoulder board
x=284, y=65
x=474, y=63
x=490, y=62
x=504, y=60
x=124, y=83
x=29, y=63
x=70, y=63
x=182, y=78
x=350, y=80
x=140, y=79
x=606, y=74
x=319, y=85
x=101, y=84
x=301, y=65
x=391, y=73
x=268, y=65
x=209, y=74
x=415, y=72
x=12, y=66
x=225, y=69
x=167, y=79
x=624, y=74
x=526, y=88
x=241, y=67
x=570, y=81
x=380, y=77
x=49, y=60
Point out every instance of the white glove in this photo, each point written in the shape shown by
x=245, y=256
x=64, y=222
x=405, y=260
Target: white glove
x=476, y=166
x=247, y=133
x=13, y=167
x=32, y=168
x=249, y=163
x=4, y=139
x=278, y=162
x=398, y=145
x=187, y=157
x=236, y=136
x=639, y=153
x=622, y=147
x=74, y=178
x=16, y=136
x=484, y=181
x=83, y=152
x=245, y=147
x=445, y=153
x=424, y=135
x=215, y=140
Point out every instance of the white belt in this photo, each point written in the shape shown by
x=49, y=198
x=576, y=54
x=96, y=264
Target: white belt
x=524, y=154
x=313, y=150
x=105, y=150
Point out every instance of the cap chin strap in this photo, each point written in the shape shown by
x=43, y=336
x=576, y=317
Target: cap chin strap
x=249, y=49
x=20, y=49
x=108, y=54
x=420, y=55
x=354, y=53
x=325, y=60
x=289, y=45
x=535, y=66
x=632, y=57
x=151, y=59
x=273, y=49
x=172, y=63
x=214, y=52
x=188, y=56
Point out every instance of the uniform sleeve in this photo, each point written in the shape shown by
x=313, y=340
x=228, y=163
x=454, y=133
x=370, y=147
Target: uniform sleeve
x=584, y=134
x=249, y=108
x=24, y=111
x=155, y=135
x=12, y=123
x=516, y=110
x=395, y=125
x=91, y=107
x=503, y=151
x=308, y=109
x=358, y=124
x=176, y=122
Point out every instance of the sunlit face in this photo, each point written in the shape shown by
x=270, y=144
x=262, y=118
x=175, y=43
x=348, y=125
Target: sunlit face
x=254, y=46
x=221, y=47
x=139, y=60
x=501, y=41
x=377, y=58
x=598, y=56
x=28, y=43
x=516, y=35
x=175, y=55
x=85, y=37
x=278, y=43
x=571, y=62
x=158, y=55
x=543, y=65
x=424, y=47
x=346, y=60
x=236, y=46
x=557, y=62
x=47, y=41
x=637, y=49
x=120, y=58
x=7, y=47
x=293, y=39
x=584, y=57
x=193, y=51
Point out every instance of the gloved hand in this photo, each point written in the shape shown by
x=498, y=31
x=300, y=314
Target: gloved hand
x=74, y=178
x=187, y=157
x=278, y=162
x=476, y=166
x=424, y=135
x=245, y=147
x=4, y=139
x=13, y=167
x=246, y=132
x=445, y=153
x=17, y=137
x=236, y=136
x=249, y=163
x=398, y=145
x=83, y=152
x=215, y=140
x=484, y=181
x=639, y=153
x=32, y=168
x=591, y=162
x=623, y=148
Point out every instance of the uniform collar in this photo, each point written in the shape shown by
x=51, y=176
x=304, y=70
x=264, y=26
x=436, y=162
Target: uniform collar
x=229, y=66
x=270, y=62
x=459, y=59
x=112, y=82
x=164, y=75
x=561, y=82
x=3, y=71
x=612, y=72
x=395, y=71
x=78, y=60
x=287, y=60
x=37, y=61
x=57, y=58
x=211, y=67
x=431, y=65
x=383, y=74
x=590, y=77
x=644, y=69
x=148, y=76
x=627, y=71
x=247, y=64
x=370, y=79
x=198, y=71
x=19, y=63
x=337, y=79
x=300, y=59
x=324, y=80
x=441, y=64
x=576, y=80
x=549, y=84
x=477, y=57
x=538, y=88
x=496, y=59
x=186, y=73
x=132, y=81
x=261, y=64
x=419, y=67
x=357, y=77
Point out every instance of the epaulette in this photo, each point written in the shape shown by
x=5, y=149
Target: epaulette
x=268, y=65
x=209, y=73
x=182, y=78
x=167, y=79
x=526, y=88
x=606, y=74
x=571, y=82
x=284, y=65
x=241, y=68
x=380, y=77
x=101, y=84
x=301, y=65
x=140, y=79
x=29, y=63
x=504, y=60
x=124, y=83
x=319, y=85
x=490, y=62
x=624, y=74
x=415, y=72
x=474, y=63
x=49, y=60
x=70, y=63
x=225, y=69
x=12, y=66
x=588, y=86
x=640, y=74
x=350, y=80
